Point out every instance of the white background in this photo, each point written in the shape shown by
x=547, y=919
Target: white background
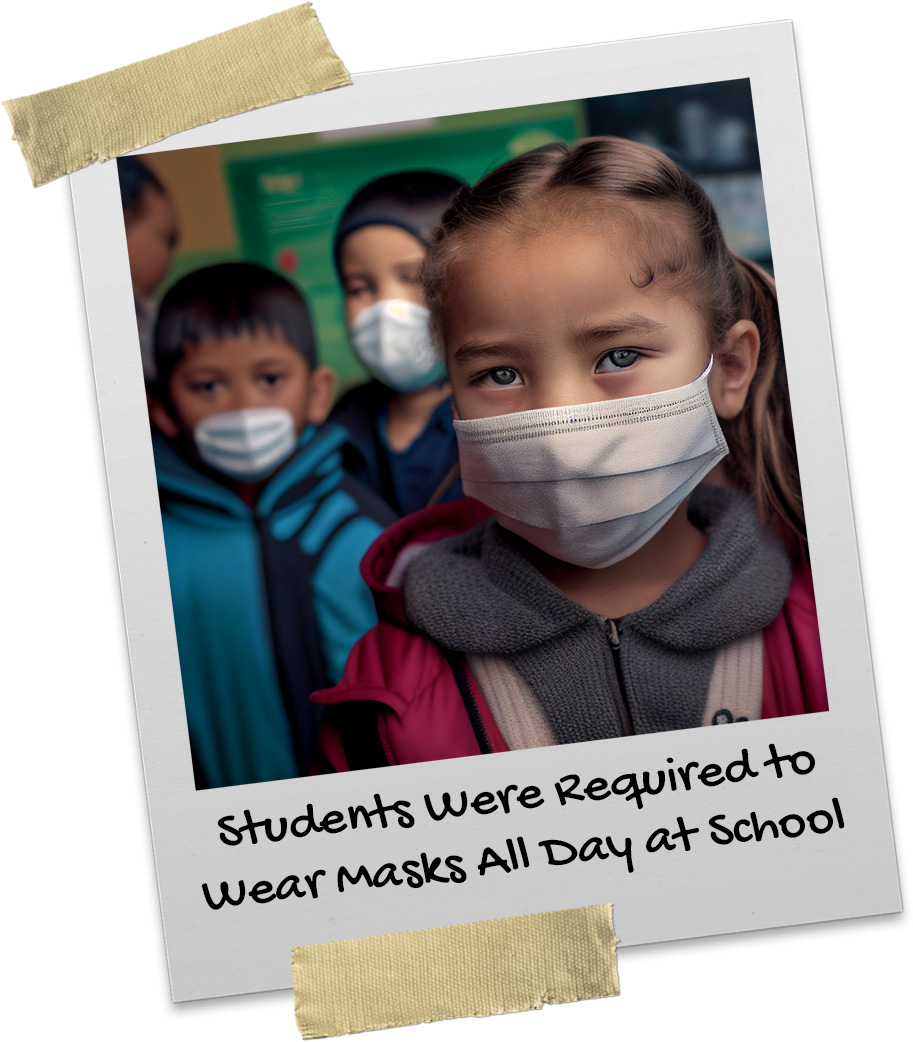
x=82, y=934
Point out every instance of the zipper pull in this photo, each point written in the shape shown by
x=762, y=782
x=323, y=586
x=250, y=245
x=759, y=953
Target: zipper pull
x=611, y=632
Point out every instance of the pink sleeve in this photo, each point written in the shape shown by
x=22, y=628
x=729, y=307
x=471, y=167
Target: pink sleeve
x=421, y=715
x=793, y=667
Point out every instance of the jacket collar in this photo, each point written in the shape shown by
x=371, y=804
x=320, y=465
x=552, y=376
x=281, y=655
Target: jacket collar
x=477, y=593
x=316, y=460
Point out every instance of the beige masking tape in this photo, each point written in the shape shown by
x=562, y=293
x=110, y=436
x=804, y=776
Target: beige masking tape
x=472, y=970
x=273, y=59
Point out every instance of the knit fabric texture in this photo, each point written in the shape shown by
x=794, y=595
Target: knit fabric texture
x=477, y=594
x=515, y=708
x=736, y=689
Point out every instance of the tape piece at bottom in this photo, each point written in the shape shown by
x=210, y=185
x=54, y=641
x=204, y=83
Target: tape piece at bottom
x=475, y=969
x=272, y=59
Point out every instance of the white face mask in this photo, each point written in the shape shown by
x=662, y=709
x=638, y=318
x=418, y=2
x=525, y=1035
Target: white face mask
x=247, y=444
x=392, y=342
x=590, y=484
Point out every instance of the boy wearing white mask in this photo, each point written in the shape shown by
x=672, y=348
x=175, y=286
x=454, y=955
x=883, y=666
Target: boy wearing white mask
x=634, y=559
x=400, y=424
x=263, y=527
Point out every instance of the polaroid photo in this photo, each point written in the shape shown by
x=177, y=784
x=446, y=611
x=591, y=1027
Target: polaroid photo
x=481, y=507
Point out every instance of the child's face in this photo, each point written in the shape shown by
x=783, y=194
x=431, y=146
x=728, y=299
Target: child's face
x=380, y=262
x=556, y=320
x=151, y=236
x=250, y=371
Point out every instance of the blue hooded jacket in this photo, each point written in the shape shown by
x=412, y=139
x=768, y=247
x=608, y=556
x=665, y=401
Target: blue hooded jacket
x=404, y=480
x=268, y=601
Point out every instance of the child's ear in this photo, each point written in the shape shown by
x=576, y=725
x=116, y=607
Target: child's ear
x=734, y=368
x=161, y=417
x=320, y=393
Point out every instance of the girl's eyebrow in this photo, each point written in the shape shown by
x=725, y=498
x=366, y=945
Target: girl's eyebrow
x=623, y=326
x=472, y=351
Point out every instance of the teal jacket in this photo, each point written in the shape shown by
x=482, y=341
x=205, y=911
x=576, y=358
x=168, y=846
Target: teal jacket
x=268, y=601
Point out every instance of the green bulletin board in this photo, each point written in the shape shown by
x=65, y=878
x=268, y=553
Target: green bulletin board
x=288, y=193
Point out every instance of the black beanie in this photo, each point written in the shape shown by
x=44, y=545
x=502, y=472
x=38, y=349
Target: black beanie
x=414, y=200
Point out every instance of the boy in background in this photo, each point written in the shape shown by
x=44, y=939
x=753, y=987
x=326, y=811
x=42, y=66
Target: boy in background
x=400, y=424
x=151, y=226
x=264, y=530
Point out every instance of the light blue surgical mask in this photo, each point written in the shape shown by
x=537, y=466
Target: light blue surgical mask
x=392, y=341
x=248, y=444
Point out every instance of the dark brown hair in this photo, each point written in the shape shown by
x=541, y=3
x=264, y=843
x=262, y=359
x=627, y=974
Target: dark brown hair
x=225, y=300
x=135, y=179
x=678, y=243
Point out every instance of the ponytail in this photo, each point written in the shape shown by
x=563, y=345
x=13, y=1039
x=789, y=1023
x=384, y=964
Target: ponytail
x=762, y=449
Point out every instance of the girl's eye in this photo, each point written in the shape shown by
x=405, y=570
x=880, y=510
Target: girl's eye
x=271, y=379
x=621, y=359
x=502, y=377
x=205, y=387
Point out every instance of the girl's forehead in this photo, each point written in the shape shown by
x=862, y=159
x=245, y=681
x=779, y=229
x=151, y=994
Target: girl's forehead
x=632, y=230
x=573, y=259
x=561, y=281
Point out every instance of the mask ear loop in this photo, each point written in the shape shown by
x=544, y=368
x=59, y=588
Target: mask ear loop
x=449, y=478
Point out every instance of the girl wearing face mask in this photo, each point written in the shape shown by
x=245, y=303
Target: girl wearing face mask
x=633, y=559
x=400, y=423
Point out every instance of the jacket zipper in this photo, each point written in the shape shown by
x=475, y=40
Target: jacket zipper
x=621, y=698
x=464, y=685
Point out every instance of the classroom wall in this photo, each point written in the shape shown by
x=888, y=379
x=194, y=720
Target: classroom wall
x=195, y=180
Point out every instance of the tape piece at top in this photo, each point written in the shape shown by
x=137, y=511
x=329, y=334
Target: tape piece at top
x=272, y=59
x=472, y=970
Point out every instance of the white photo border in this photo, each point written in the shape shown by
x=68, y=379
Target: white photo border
x=707, y=891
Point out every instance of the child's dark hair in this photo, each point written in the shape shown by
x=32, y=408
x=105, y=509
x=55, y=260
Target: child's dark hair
x=680, y=243
x=411, y=199
x=227, y=300
x=135, y=177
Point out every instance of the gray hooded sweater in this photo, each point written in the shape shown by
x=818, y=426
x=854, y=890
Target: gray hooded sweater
x=476, y=594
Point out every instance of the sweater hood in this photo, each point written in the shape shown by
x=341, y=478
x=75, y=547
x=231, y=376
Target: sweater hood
x=385, y=564
x=475, y=593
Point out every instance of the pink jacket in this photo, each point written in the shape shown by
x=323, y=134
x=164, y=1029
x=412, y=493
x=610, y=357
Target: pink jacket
x=404, y=701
